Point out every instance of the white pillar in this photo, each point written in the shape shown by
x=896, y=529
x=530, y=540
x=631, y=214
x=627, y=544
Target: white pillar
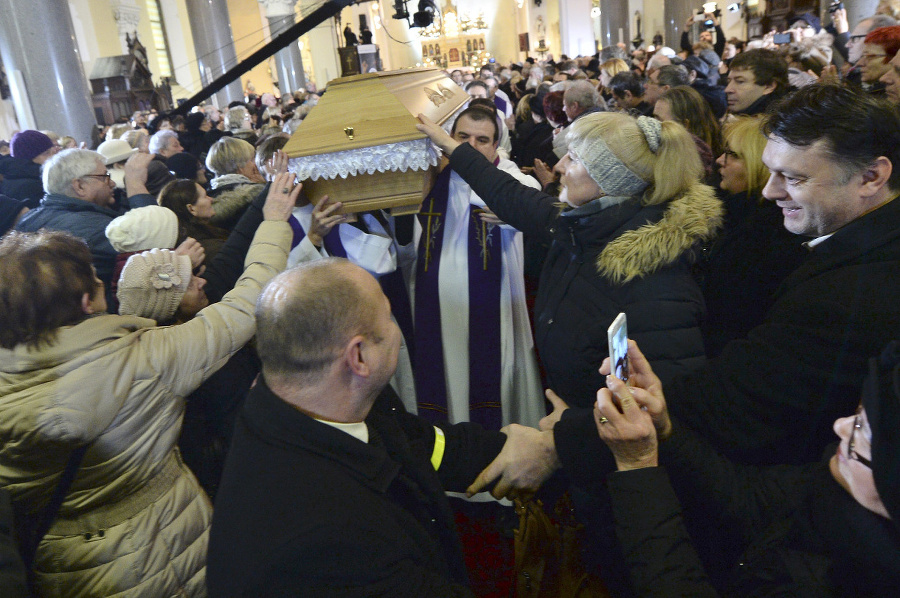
x=46, y=76
x=575, y=30
x=288, y=62
x=322, y=44
x=214, y=44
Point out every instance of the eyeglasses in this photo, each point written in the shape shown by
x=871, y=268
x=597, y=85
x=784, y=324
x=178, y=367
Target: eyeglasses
x=851, y=446
x=870, y=56
x=730, y=155
x=106, y=176
x=856, y=38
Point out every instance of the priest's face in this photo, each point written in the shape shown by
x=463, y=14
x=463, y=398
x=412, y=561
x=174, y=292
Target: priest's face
x=477, y=133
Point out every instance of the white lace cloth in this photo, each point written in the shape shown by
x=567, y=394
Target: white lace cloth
x=419, y=154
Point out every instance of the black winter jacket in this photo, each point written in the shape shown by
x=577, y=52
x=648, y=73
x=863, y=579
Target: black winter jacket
x=796, y=532
x=772, y=397
x=329, y=515
x=22, y=180
x=744, y=266
x=624, y=258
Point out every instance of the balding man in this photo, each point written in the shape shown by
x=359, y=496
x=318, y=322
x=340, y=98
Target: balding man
x=331, y=488
x=580, y=98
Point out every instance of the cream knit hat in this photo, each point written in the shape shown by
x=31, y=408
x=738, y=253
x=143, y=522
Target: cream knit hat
x=150, y=227
x=152, y=284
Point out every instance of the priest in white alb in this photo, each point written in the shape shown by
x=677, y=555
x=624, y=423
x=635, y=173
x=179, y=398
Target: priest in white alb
x=473, y=354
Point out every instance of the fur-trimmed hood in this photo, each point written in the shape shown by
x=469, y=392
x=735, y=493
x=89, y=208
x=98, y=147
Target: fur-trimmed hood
x=694, y=217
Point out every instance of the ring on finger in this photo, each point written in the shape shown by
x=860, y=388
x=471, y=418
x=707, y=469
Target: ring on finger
x=285, y=190
x=603, y=420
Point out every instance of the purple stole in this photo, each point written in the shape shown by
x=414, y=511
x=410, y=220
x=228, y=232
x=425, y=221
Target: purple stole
x=500, y=103
x=485, y=275
x=392, y=283
x=298, y=231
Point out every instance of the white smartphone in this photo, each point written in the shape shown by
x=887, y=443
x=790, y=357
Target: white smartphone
x=618, y=347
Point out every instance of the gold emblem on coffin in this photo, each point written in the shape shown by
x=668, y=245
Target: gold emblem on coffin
x=369, y=110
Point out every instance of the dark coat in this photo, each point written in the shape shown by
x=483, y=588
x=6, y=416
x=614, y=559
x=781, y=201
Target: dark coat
x=796, y=531
x=158, y=175
x=12, y=571
x=714, y=96
x=762, y=104
x=306, y=509
x=82, y=219
x=772, y=397
x=741, y=270
x=603, y=263
x=22, y=180
x=535, y=142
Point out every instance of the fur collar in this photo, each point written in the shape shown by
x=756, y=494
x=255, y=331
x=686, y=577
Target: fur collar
x=229, y=179
x=689, y=219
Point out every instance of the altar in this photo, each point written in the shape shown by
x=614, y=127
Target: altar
x=455, y=40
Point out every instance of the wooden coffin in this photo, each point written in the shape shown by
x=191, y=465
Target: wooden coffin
x=360, y=145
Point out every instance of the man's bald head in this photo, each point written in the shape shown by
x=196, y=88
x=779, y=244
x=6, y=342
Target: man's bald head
x=306, y=315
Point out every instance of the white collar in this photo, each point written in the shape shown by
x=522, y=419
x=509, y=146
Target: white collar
x=358, y=430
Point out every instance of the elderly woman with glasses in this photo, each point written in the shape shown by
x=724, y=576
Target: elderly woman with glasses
x=830, y=528
x=753, y=253
x=879, y=48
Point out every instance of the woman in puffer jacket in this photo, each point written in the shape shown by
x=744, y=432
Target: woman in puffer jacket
x=134, y=521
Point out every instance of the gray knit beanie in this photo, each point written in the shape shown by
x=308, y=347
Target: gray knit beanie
x=149, y=227
x=614, y=178
x=152, y=284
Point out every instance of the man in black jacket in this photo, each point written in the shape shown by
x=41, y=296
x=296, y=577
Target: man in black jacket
x=756, y=79
x=771, y=398
x=331, y=488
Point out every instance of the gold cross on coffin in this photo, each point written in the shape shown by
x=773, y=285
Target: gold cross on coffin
x=430, y=230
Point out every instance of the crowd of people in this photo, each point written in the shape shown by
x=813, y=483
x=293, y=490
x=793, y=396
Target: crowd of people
x=214, y=384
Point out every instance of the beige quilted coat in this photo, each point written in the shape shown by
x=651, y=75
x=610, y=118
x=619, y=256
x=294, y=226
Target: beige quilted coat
x=135, y=521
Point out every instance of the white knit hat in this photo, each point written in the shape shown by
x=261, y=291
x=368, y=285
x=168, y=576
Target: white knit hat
x=153, y=283
x=150, y=227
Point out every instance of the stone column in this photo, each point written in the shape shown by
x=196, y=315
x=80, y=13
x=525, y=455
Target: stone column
x=288, y=62
x=677, y=12
x=614, y=18
x=214, y=45
x=857, y=10
x=38, y=49
x=322, y=43
x=575, y=28
x=128, y=17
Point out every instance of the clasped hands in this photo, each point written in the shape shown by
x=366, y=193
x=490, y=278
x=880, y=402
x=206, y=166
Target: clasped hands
x=629, y=420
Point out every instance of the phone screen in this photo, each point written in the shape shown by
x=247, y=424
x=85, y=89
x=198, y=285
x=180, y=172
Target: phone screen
x=618, y=347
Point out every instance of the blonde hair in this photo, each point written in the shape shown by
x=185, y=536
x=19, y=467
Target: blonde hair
x=234, y=118
x=744, y=136
x=888, y=7
x=228, y=155
x=116, y=131
x=134, y=137
x=614, y=66
x=523, y=108
x=670, y=172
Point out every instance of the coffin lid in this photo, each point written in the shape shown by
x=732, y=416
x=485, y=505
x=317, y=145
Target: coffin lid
x=380, y=108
